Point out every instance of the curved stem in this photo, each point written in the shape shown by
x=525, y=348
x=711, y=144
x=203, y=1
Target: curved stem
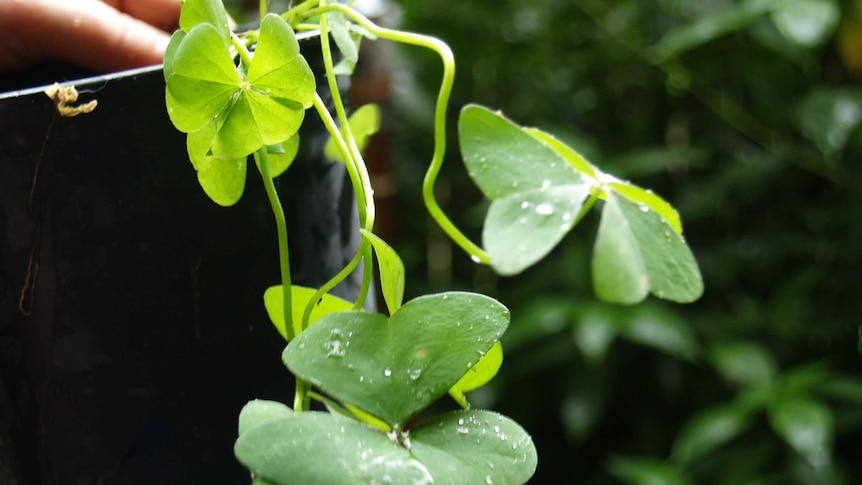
x=445, y=53
x=262, y=159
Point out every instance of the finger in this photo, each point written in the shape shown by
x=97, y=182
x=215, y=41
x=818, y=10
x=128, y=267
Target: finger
x=86, y=32
x=164, y=14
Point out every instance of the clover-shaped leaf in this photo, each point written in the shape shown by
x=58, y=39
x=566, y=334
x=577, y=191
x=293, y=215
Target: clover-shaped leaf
x=412, y=358
x=536, y=195
x=265, y=108
x=450, y=449
x=638, y=252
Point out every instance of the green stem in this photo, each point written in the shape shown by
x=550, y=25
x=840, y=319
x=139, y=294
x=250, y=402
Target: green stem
x=262, y=9
x=262, y=159
x=445, y=53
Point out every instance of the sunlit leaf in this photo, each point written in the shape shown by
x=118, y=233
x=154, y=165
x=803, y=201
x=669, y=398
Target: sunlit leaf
x=391, y=271
x=568, y=153
x=364, y=122
x=479, y=375
x=807, y=426
x=203, y=79
x=536, y=194
x=806, y=22
x=637, y=252
x=319, y=448
x=273, y=299
x=411, y=358
x=212, y=12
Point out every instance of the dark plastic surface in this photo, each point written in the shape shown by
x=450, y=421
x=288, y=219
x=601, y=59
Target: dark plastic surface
x=147, y=332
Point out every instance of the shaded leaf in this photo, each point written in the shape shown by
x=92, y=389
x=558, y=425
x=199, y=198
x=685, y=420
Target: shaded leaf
x=744, y=363
x=282, y=155
x=260, y=411
x=451, y=449
x=273, y=299
x=412, y=358
x=212, y=12
x=806, y=425
x=645, y=471
x=828, y=116
x=806, y=22
x=709, y=429
x=649, y=325
x=637, y=252
x=391, y=271
x=594, y=332
x=536, y=194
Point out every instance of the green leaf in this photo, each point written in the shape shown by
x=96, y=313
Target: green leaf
x=347, y=43
x=474, y=446
x=808, y=23
x=451, y=449
x=646, y=197
x=568, y=153
x=479, y=375
x=637, y=252
x=536, y=194
x=806, y=425
x=391, y=271
x=170, y=53
x=273, y=299
x=829, y=116
x=645, y=471
x=364, y=122
x=260, y=411
x=707, y=28
x=222, y=180
x=203, y=80
x=212, y=12
x=282, y=155
x=745, y=363
x=412, y=358
x=710, y=429
x=651, y=326
x=594, y=331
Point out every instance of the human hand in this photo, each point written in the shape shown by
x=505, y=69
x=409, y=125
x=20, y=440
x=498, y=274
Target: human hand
x=106, y=35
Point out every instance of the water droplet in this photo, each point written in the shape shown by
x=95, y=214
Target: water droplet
x=445, y=297
x=361, y=378
x=387, y=372
x=489, y=480
x=525, y=204
x=545, y=209
x=487, y=317
x=462, y=430
x=414, y=374
x=546, y=184
x=475, y=258
x=643, y=208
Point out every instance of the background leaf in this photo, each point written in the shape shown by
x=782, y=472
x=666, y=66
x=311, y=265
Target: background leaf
x=806, y=22
x=806, y=425
x=364, y=122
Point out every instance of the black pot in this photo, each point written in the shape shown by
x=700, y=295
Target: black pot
x=132, y=327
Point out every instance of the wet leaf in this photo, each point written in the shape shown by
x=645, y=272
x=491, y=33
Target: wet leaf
x=536, y=194
x=479, y=375
x=273, y=299
x=451, y=449
x=411, y=358
x=637, y=252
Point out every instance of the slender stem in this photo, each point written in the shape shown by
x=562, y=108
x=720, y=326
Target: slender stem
x=262, y=159
x=262, y=9
x=297, y=10
x=445, y=53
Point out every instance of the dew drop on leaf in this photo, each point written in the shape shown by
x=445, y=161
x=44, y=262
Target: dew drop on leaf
x=387, y=372
x=544, y=209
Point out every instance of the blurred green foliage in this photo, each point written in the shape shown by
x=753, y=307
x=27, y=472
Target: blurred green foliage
x=745, y=115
